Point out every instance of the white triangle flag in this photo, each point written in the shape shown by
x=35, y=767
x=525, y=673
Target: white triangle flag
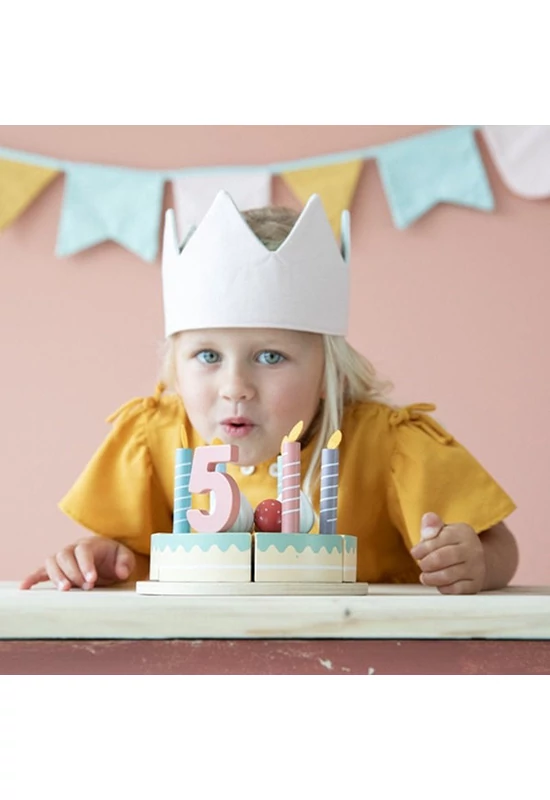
x=521, y=154
x=194, y=194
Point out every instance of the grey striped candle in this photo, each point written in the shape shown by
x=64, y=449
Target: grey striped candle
x=330, y=460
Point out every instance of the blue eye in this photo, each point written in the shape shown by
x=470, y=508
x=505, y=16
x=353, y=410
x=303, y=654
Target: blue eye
x=208, y=357
x=271, y=357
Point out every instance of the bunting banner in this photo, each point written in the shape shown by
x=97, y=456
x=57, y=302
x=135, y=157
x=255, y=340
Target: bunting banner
x=102, y=203
x=20, y=184
x=521, y=154
x=124, y=205
x=440, y=167
x=193, y=195
x=335, y=184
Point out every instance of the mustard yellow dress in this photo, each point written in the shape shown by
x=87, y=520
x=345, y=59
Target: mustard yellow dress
x=395, y=465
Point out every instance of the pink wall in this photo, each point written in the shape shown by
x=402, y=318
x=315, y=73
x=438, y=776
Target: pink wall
x=453, y=310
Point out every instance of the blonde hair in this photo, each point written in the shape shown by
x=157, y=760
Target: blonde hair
x=349, y=376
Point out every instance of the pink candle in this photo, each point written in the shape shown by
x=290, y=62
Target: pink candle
x=291, y=481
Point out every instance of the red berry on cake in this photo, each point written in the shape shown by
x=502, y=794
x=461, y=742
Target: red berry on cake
x=268, y=516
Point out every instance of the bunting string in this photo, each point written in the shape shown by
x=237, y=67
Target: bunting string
x=124, y=205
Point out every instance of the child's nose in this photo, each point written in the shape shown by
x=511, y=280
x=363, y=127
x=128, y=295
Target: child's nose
x=237, y=386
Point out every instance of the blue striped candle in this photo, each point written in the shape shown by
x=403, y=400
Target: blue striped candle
x=182, y=496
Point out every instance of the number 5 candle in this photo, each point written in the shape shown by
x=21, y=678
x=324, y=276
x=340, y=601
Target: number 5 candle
x=290, y=522
x=205, y=478
x=182, y=495
x=329, y=484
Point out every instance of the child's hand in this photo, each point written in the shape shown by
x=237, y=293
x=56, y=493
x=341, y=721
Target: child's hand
x=96, y=561
x=451, y=557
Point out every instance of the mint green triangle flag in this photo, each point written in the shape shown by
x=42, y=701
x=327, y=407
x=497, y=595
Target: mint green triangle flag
x=440, y=167
x=111, y=203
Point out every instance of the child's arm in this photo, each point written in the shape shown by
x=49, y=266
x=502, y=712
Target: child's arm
x=89, y=562
x=501, y=556
x=456, y=560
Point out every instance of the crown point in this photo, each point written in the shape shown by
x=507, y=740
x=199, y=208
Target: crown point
x=170, y=232
x=345, y=236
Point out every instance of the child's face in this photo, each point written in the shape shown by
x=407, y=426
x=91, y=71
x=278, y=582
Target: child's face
x=249, y=387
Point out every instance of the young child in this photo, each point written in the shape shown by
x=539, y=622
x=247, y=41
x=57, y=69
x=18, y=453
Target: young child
x=256, y=315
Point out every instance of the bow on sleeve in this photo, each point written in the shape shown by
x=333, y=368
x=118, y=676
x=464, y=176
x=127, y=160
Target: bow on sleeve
x=415, y=414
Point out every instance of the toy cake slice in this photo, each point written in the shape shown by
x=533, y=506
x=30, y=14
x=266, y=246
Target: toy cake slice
x=224, y=557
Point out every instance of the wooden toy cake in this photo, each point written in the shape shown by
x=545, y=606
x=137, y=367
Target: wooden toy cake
x=233, y=550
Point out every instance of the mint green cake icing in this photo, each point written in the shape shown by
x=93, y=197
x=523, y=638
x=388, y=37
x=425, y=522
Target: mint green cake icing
x=204, y=541
x=351, y=544
x=299, y=541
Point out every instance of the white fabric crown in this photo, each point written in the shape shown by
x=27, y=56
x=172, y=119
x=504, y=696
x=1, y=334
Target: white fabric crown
x=222, y=276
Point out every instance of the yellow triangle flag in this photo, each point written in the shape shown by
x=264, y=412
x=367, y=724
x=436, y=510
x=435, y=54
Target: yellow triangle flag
x=20, y=184
x=335, y=184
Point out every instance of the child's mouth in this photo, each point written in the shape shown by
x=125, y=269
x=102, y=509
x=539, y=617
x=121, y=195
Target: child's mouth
x=237, y=429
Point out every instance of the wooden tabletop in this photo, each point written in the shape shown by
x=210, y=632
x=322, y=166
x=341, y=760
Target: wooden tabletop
x=387, y=612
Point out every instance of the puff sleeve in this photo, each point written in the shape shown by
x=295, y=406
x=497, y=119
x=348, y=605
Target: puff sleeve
x=118, y=495
x=431, y=471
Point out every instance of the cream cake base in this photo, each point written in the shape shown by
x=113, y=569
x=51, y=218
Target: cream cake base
x=225, y=557
x=304, y=557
